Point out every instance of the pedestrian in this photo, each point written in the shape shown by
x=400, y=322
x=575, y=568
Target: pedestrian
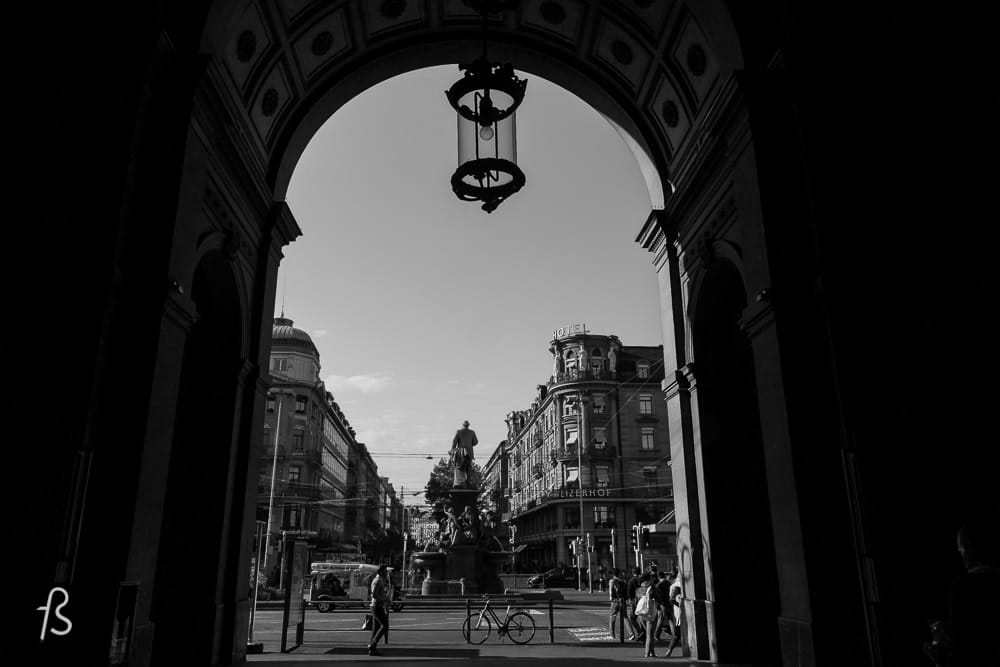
x=968, y=639
x=674, y=607
x=603, y=574
x=647, y=608
x=379, y=608
x=633, y=585
x=665, y=619
x=617, y=595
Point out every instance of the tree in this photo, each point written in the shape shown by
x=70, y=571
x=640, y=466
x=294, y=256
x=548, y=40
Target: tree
x=439, y=485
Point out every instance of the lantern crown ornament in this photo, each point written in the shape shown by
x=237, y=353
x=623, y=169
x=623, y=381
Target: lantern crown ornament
x=485, y=99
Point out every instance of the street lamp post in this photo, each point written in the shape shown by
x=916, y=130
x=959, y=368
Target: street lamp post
x=274, y=471
x=579, y=481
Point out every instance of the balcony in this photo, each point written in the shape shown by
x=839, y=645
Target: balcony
x=289, y=490
x=565, y=453
x=575, y=375
x=537, y=471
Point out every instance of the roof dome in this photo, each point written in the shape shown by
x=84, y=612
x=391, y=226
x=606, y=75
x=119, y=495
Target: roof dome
x=284, y=334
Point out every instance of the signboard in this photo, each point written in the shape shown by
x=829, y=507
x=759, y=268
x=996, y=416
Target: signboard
x=576, y=493
x=569, y=330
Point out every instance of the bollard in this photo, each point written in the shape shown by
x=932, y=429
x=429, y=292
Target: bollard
x=468, y=618
x=552, y=624
x=621, y=623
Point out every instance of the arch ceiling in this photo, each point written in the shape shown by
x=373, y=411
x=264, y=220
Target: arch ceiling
x=649, y=66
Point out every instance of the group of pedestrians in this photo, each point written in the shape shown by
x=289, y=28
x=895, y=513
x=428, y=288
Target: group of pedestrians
x=647, y=604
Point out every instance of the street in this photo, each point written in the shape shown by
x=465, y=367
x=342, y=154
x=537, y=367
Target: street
x=415, y=625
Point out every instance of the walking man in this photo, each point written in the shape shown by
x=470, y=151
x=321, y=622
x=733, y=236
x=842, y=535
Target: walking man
x=379, y=608
x=618, y=598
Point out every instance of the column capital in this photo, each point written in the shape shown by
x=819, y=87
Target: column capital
x=758, y=315
x=179, y=308
x=682, y=380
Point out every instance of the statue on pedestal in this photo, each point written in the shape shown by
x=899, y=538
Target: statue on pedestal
x=462, y=458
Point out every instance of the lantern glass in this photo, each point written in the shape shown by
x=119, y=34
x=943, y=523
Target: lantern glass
x=478, y=142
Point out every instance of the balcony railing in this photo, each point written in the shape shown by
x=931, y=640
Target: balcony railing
x=289, y=490
x=576, y=375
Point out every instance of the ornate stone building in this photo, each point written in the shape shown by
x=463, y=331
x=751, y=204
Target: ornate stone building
x=595, y=440
x=312, y=437
x=820, y=181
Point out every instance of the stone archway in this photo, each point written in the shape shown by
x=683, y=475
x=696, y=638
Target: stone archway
x=663, y=74
x=262, y=80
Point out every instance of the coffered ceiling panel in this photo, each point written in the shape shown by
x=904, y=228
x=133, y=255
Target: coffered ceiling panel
x=323, y=43
x=561, y=18
x=622, y=52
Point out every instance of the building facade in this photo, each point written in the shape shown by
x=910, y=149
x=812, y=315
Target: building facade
x=591, y=456
x=302, y=471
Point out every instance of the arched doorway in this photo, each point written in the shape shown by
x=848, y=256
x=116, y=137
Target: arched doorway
x=268, y=76
x=192, y=576
x=660, y=73
x=740, y=553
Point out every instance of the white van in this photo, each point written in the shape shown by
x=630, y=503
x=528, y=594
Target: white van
x=331, y=584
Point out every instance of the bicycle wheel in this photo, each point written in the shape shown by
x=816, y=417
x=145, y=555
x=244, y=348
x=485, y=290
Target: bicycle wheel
x=520, y=627
x=480, y=628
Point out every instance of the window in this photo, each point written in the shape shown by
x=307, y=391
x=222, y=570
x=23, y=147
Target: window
x=597, y=365
x=571, y=437
x=572, y=478
x=570, y=360
x=649, y=479
x=266, y=438
x=297, y=438
x=599, y=402
x=647, y=438
x=600, y=437
x=280, y=365
x=572, y=515
x=602, y=477
x=271, y=403
x=602, y=518
x=294, y=473
x=300, y=404
x=567, y=408
x=645, y=404
x=642, y=369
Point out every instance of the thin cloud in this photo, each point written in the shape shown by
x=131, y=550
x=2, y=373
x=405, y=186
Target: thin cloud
x=319, y=333
x=370, y=383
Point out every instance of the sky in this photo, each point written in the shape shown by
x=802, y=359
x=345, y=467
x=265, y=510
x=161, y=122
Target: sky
x=427, y=311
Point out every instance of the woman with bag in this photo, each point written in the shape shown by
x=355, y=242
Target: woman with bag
x=646, y=610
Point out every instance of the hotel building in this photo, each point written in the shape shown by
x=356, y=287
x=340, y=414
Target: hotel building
x=591, y=456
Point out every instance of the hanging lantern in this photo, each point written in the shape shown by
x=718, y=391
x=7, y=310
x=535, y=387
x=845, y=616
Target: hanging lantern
x=485, y=99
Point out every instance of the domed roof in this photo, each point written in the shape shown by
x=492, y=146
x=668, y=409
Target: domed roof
x=284, y=334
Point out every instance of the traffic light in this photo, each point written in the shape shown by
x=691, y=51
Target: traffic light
x=645, y=538
x=634, y=538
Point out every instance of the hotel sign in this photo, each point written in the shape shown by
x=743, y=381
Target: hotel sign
x=569, y=330
x=575, y=493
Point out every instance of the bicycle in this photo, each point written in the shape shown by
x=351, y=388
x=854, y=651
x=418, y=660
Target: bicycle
x=519, y=626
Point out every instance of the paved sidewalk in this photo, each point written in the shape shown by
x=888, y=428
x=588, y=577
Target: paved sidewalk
x=578, y=654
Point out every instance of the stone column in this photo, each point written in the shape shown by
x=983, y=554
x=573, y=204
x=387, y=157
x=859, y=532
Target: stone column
x=179, y=315
x=687, y=468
